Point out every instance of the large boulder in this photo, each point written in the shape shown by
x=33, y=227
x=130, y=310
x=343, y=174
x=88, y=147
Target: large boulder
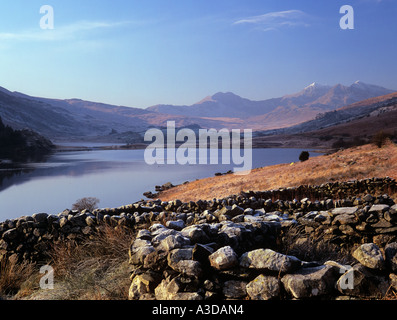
x=264, y=288
x=189, y=268
x=370, y=256
x=173, y=242
x=224, y=258
x=176, y=225
x=363, y=283
x=172, y=290
x=234, y=289
x=143, y=285
x=196, y=234
x=311, y=282
x=139, y=250
x=391, y=255
x=267, y=259
x=343, y=210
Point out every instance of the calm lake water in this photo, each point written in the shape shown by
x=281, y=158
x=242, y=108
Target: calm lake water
x=116, y=177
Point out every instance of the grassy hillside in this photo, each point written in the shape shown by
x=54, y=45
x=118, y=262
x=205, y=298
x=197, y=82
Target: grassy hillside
x=356, y=163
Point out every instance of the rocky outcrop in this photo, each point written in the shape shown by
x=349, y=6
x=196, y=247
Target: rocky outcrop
x=211, y=270
x=235, y=248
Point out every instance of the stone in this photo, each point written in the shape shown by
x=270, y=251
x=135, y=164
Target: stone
x=156, y=229
x=234, y=289
x=386, y=230
x=363, y=226
x=346, y=218
x=390, y=216
x=240, y=218
x=323, y=217
x=370, y=256
x=264, y=288
x=160, y=234
x=40, y=217
x=169, y=290
x=63, y=222
x=186, y=296
x=90, y=221
x=223, y=211
x=363, y=283
x=269, y=260
x=249, y=211
x=196, y=234
x=393, y=280
x=235, y=211
x=176, y=225
x=343, y=210
x=347, y=229
x=224, y=258
x=173, y=242
x=310, y=282
x=372, y=218
x=379, y=208
x=231, y=233
x=140, y=286
x=249, y=218
x=144, y=234
x=177, y=255
x=201, y=253
x=139, y=250
x=189, y=268
x=10, y=235
x=382, y=223
x=391, y=256
x=368, y=198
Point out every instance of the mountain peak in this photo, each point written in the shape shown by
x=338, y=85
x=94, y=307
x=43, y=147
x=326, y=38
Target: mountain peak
x=315, y=85
x=224, y=94
x=377, y=90
x=221, y=97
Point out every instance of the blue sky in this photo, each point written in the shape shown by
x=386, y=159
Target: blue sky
x=142, y=53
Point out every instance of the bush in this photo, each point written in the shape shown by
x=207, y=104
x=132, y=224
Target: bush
x=304, y=156
x=97, y=269
x=88, y=203
x=380, y=139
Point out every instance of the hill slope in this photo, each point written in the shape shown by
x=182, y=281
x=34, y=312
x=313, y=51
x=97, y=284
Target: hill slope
x=351, y=125
x=356, y=163
x=78, y=119
x=278, y=112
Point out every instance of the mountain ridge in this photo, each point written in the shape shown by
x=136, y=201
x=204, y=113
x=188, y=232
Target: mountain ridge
x=79, y=119
x=320, y=97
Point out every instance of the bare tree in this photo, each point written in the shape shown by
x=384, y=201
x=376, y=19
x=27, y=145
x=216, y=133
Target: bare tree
x=87, y=203
x=380, y=138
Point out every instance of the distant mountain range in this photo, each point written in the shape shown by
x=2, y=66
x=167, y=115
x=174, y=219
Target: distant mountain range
x=348, y=126
x=278, y=112
x=75, y=119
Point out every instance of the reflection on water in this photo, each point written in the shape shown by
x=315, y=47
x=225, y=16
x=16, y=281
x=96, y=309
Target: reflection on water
x=116, y=177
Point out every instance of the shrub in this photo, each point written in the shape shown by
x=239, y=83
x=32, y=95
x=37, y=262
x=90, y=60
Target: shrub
x=304, y=156
x=13, y=275
x=97, y=269
x=88, y=203
x=380, y=139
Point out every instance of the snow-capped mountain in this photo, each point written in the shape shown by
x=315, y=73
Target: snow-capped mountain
x=76, y=119
x=314, y=98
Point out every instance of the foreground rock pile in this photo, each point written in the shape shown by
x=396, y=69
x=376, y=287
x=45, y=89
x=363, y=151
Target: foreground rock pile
x=230, y=260
x=237, y=247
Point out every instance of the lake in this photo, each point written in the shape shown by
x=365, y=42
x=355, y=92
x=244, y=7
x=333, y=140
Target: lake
x=116, y=177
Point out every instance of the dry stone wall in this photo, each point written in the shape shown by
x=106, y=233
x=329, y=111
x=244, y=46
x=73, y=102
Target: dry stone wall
x=234, y=248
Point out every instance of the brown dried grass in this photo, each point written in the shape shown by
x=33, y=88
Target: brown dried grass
x=96, y=269
x=355, y=163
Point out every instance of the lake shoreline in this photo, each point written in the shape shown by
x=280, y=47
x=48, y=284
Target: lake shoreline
x=114, y=176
